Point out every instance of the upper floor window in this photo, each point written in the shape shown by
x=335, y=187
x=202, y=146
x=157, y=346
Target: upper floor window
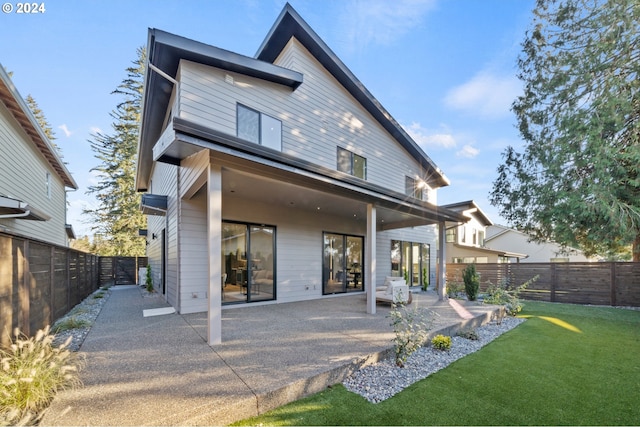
x=351, y=163
x=450, y=235
x=259, y=128
x=413, y=188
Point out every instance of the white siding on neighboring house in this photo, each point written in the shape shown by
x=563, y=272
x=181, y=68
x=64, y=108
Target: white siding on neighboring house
x=515, y=241
x=23, y=176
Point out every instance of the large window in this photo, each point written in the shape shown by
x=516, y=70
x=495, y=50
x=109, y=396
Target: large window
x=343, y=268
x=248, y=260
x=259, y=128
x=411, y=261
x=414, y=188
x=351, y=163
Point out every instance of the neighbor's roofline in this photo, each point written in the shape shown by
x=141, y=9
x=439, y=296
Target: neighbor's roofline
x=17, y=106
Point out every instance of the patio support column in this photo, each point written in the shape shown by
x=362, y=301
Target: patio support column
x=370, y=259
x=442, y=265
x=214, y=230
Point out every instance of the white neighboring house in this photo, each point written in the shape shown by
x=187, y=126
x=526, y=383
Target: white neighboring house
x=499, y=236
x=278, y=178
x=466, y=242
x=33, y=178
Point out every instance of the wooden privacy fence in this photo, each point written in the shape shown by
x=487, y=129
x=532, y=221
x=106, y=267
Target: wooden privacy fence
x=41, y=282
x=118, y=270
x=601, y=283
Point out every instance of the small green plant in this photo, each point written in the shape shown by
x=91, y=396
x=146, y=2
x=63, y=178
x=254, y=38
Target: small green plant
x=149, y=279
x=507, y=295
x=98, y=295
x=69, y=323
x=410, y=327
x=441, y=342
x=425, y=279
x=32, y=371
x=469, y=334
x=471, y=282
x=454, y=289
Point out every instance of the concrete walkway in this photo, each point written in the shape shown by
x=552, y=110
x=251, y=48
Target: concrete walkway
x=160, y=370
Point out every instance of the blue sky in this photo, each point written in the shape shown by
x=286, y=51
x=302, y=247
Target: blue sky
x=445, y=69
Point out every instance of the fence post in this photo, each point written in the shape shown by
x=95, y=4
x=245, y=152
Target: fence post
x=554, y=278
x=613, y=285
x=24, y=291
x=52, y=287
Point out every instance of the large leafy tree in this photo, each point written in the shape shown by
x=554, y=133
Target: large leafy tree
x=576, y=180
x=118, y=217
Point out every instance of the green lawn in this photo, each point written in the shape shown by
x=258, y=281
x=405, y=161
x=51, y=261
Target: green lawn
x=566, y=365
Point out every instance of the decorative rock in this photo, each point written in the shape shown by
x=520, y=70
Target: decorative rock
x=382, y=380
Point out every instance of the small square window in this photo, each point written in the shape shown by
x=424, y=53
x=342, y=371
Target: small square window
x=259, y=128
x=351, y=163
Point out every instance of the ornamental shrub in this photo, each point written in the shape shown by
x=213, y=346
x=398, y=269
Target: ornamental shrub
x=410, y=327
x=471, y=282
x=441, y=342
x=506, y=294
x=32, y=370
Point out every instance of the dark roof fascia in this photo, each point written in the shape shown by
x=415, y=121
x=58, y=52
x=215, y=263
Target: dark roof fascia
x=290, y=24
x=212, y=137
x=470, y=204
x=164, y=51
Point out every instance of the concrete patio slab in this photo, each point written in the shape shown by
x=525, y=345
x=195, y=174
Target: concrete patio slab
x=159, y=370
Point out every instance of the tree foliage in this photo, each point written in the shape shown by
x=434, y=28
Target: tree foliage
x=118, y=217
x=577, y=182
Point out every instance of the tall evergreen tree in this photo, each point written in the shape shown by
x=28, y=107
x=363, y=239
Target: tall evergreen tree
x=577, y=181
x=118, y=217
x=43, y=122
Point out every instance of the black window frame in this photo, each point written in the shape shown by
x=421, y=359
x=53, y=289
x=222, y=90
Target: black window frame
x=260, y=122
x=352, y=162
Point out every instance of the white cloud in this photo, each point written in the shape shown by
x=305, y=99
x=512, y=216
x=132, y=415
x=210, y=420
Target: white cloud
x=380, y=21
x=425, y=138
x=468, y=151
x=486, y=94
x=66, y=130
x=95, y=130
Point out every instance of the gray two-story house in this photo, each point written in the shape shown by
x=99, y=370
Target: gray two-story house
x=278, y=178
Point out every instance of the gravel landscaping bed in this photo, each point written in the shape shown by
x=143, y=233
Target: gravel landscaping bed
x=87, y=312
x=384, y=379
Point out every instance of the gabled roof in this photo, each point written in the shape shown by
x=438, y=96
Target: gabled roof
x=165, y=51
x=16, y=105
x=290, y=24
x=470, y=208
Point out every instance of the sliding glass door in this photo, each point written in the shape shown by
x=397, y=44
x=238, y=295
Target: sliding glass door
x=411, y=261
x=343, y=266
x=248, y=263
